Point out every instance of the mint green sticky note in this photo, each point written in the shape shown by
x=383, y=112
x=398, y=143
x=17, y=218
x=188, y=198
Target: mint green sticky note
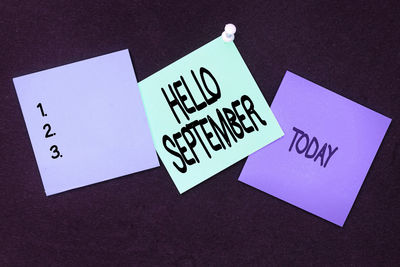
x=205, y=113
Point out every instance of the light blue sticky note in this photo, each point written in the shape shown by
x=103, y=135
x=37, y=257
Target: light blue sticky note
x=86, y=122
x=206, y=112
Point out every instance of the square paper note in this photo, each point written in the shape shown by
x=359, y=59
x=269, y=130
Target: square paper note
x=86, y=122
x=328, y=147
x=206, y=112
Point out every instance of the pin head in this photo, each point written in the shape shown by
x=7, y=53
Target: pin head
x=229, y=34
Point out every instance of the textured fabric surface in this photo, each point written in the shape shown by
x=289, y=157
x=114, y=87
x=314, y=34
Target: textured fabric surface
x=349, y=47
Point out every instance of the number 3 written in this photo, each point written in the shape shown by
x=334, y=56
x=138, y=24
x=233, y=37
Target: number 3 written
x=55, y=151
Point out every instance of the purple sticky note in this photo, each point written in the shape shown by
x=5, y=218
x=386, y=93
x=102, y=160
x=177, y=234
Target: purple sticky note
x=328, y=147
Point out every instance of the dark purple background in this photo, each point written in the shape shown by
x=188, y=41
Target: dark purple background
x=351, y=48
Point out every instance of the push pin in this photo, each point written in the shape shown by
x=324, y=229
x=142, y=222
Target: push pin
x=229, y=34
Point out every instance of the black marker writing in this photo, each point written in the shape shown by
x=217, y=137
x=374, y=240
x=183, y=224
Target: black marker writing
x=48, y=134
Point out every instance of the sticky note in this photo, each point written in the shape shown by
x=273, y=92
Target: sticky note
x=328, y=147
x=205, y=113
x=86, y=122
